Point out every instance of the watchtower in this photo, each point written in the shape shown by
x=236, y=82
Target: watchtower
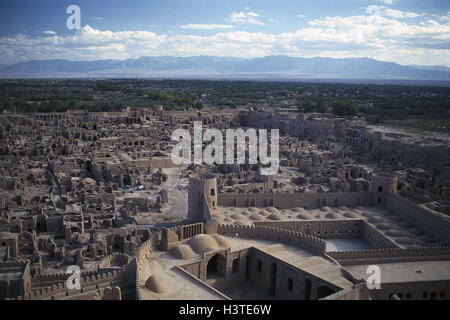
x=202, y=189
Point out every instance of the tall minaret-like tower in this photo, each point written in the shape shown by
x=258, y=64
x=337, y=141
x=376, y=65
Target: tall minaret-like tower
x=202, y=189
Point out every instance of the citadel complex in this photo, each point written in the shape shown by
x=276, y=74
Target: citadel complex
x=99, y=191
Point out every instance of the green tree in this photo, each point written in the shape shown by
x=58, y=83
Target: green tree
x=345, y=108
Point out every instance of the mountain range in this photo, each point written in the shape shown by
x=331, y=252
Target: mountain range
x=273, y=67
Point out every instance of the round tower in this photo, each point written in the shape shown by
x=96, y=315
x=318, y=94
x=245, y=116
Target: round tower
x=382, y=183
x=201, y=187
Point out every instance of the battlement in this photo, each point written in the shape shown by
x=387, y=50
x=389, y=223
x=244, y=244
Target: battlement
x=388, y=255
x=295, y=200
x=58, y=276
x=87, y=283
x=432, y=222
x=143, y=253
x=13, y=263
x=118, y=258
x=276, y=234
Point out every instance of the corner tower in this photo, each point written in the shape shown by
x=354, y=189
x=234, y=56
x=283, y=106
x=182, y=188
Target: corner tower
x=382, y=183
x=202, y=191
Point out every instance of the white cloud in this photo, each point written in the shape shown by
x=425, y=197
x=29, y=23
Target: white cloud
x=49, y=32
x=445, y=18
x=417, y=42
x=206, y=26
x=301, y=16
x=388, y=1
x=246, y=17
x=401, y=14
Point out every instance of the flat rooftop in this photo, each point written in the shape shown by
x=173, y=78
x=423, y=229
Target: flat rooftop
x=401, y=232
x=180, y=286
x=406, y=271
x=347, y=244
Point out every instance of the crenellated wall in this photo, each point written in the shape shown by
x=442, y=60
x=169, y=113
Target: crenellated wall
x=375, y=238
x=144, y=253
x=431, y=222
x=45, y=280
x=276, y=234
x=324, y=229
x=89, y=284
x=390, y=255
x=294, y=200
x=115, y=258
x=331, y=229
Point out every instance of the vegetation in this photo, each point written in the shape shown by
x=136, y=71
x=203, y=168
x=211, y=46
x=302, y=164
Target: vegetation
x=421, y=106
x=345, y=108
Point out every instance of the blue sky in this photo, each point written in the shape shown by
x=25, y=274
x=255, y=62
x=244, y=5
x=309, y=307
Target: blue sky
x=403, y=31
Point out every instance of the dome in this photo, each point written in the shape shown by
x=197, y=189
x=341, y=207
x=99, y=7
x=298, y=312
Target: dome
x=304, y=216
x=221, y=241
x=395, y=233
x=276, y=216
x=332, y=215
x=384, y=226
x=182, y=251
x=256, y=217
x=155, y=284
x=375, y=219
x=350, y=215
x=237, y=216
x=202, y=243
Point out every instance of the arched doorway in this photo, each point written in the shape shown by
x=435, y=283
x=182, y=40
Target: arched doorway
x=26, y=245
x=117, y=242
x=273, y=279
x=324, y=291
x=215, y=267
x=41, y=223
x=308, y=289
x=248, y=267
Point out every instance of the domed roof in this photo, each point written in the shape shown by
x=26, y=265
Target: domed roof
x=202, y=243
x=275, y=216
x=155, y=284
x=182, y=251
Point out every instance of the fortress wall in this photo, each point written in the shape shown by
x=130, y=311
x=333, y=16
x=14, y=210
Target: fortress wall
x=40, y=280
x=419, y=216
x=122, y=257
x=375, y=238
x=262, y=267
x=358, y=292
x=206, y=214
x=144, y=253
x=293, y=200
x=410, y=152
x=390, y=255
x=331, y=229
x=19, y=283
x=324, y=229
x=419, y=290
x=275, y=234
x=171, y=236
x=88, y=283
x=286, y=124
x=161, y=162
x=275, y=276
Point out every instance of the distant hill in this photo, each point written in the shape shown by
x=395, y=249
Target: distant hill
x=216, y=67
x=435, y=68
